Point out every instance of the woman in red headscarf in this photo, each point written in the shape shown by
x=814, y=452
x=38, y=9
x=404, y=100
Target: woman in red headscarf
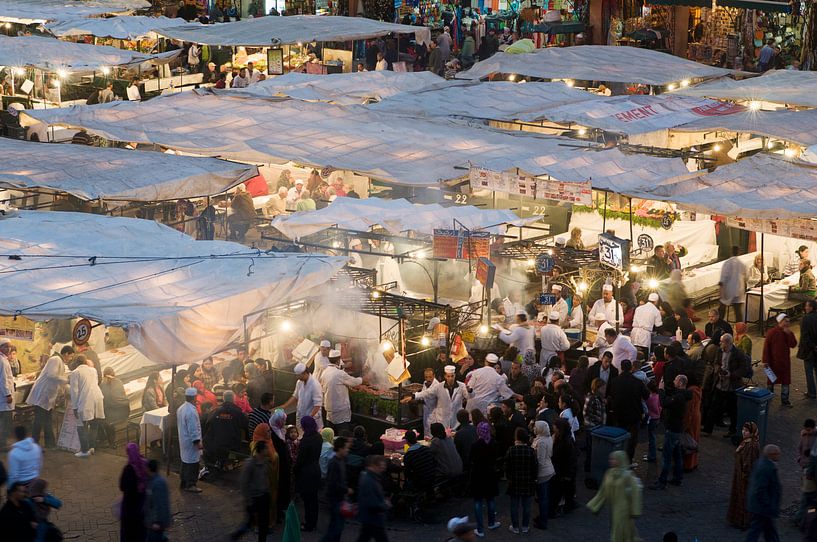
x=203, y=395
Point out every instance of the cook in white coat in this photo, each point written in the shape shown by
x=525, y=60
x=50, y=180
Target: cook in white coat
x=189, y=426
x=620, y=347
x=336, y=383
x=733, y=286
x=522, y=336
x=486, y=386
x=447, y=396
x=43, y=395
x=576, y=318
x=560, y=306
x=307, y=396
x=552, y=338
x=428, y=395
x=607, y=304
x=87, y=402
x=7, y=392
x=321, y=360
x=645, y=319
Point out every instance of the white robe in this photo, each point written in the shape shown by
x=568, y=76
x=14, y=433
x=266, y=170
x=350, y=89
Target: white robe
x=336, y=384
x=86, y=397
x=623, y=349
x=309, y=395
x=319, y=362
x=733, y=281
x=6, y=384
x=428, y=396
x=554, y=340
x=610, y=309
x=561, y=307
x=519, y=336
x=189, y=431
x=646, y=318
x=486, y=386
x=47, y=386
x=447, y=405
x=576, y=317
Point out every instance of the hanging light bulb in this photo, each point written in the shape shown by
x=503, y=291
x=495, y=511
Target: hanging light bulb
x=425, y=341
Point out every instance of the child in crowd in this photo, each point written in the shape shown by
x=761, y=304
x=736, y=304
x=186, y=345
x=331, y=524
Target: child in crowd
x=653, y=417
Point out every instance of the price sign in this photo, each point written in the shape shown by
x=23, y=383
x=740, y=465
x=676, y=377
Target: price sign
x=544, y=263
x=82, y=332
x=614, y=252
x=645, y=242
x=547, y=299
x=667, y=220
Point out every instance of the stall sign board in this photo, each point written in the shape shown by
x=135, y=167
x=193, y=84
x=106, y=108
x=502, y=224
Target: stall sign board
x=579, y=193
x=461, y=244
x=486, y=271
x=547, y=299
x=614, y=252
x=275, y=61
x=82, y=332
x=795, y=228
x=645, y=242
x=544, y=263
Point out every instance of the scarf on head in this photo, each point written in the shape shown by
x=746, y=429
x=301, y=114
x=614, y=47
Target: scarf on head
x=309, y=425
x=484, y=432
x=277, y=421
x=328, y=435
x=139, y=465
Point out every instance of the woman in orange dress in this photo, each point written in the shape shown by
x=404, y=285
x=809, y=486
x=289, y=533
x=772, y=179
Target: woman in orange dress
x=262, y=433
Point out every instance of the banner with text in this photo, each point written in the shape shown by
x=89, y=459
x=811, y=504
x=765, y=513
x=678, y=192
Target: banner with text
x=795, y=228
x=579, y=193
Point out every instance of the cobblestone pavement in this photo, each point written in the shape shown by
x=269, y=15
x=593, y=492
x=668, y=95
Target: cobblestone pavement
x=695, y=511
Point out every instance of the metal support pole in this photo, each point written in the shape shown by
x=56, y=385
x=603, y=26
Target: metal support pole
x=630, y=206
x=761, y=306
x=172, y=415
x=604, y=220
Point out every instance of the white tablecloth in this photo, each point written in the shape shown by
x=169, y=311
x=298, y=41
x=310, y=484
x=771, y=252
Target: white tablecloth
x=152, y=425
x=698, y=280
x=773, y=295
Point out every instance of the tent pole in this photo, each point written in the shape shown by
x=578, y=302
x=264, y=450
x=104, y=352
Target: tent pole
x=170, y=411
x=760, y=305
x=604, y=220
x=630, y=206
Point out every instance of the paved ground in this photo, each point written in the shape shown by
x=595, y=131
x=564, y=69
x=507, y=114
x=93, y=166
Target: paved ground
x=694, y=511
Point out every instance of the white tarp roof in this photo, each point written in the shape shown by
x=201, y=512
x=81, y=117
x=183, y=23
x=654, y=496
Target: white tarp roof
x=266, y=31
x=795, y=126
x=39, y=11
x=760, y=186
x=119, y=174
x=640, y=114
x=124, y=28
x=52, y=54
x=177, y=309
x=595, y=63
x=396, y=216
x=393, y=148
x=342, y=88
x=791, y=87
x=499, y=100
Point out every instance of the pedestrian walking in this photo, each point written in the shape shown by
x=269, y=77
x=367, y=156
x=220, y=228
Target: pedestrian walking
x=307, y=471
x=337, y=489
x=190, y=446
x=746, y=455
x=777, y=356
x=764, y=496
x=132, y=484
x=372, y=503
x=255, y=488
x=521, y=471
x=157, y=504
x=484, y=481
x=674, y=409
x=622, y=490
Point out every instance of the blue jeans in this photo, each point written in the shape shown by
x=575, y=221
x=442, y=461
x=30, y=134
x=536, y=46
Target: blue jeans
x=652, y=454
x=524, y=502
x=672, y=453
x=762, y=525
x=478, y=512
x=544, y=510
x=810, y=364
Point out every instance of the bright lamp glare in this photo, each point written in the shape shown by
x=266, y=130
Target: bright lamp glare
x=512, y=77
x=754, y=105
x=685, y=83
x=581, y=131
x=425, y=341
x=483, y=329
x=105, y=70
x=570, y=82
x=286, y=325
x=653, y=284
x=672, y=86
x=791, y=153
x=583, y=286
x=62, y=74
x=386, y=345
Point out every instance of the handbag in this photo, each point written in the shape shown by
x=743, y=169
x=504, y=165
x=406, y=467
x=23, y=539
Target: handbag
x=348, y=509
x=688, y=444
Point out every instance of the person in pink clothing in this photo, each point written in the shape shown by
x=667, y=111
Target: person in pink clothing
x=654, y=415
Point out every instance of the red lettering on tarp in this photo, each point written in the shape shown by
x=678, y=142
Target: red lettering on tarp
x=718, y=109
x=636, y=114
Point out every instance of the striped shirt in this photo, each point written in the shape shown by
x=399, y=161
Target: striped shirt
x=257, y=417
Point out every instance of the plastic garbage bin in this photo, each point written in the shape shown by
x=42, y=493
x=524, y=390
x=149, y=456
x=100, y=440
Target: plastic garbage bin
x=605, y=440
x=753, y=406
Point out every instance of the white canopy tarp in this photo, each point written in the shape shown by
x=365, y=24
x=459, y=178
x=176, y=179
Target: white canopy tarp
x=179, y=299
x=762, y=186
x=40, y=11
x=396, y=216
x=793, y=126
x=91, y=173
x=267, y=31
x=132, y=27
x=393, y=148
x=495, y=101
x=342, y=88
x=595, y=63
x=790, y=87
x=52, y=54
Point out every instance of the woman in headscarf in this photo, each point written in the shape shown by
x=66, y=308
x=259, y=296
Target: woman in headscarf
x=746, y=454
x=622, y=490
x=203, y=396
x=132, y=485
x=742, y=340
x=543, y=445
x=307, y=471
x=277, y=423
x=263, y=433
x=483, y=486
x=327, y=449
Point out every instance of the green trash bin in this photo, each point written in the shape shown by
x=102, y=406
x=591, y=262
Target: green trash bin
x=605, y=440
x=753, y=406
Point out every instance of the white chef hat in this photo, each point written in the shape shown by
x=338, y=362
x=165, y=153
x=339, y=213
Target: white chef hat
x=334, y=354
x=326, y=344
x=491, y=358
x=299, y=368
x=434, y=322
x=450, y=369
x=521, y=312
x=607, y=288
x=781, y=316
x=554, y=315
x=190, y=392
x=4, y=341
x=557, y=287
x=653, y=297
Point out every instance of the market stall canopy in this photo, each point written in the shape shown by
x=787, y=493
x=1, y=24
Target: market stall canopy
x=342, y=88
x=40, y=11
x=396, y=216
x=51, y=54
x=124, y=28
x=793, y=126
x=180, y=300
x=790, y=87
x=762, y=186
x=267, y=31
x=115, y=175
x=494, y=101
x=398, y=149
x=596, y=63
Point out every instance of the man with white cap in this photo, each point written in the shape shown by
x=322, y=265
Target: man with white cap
x=336, y=383
x=7, y=392
x=88, y=404
x=355, y=259
x=599, y=321
x=560, y=306
x=190, y=446
x=645, y=319
x=522, y=336
x=450, y=397
x=620, y=346
x=607, y=304
x=486, y=386
x=294, y=194
x=321, y=359
x=553, y=339
x=307, y=396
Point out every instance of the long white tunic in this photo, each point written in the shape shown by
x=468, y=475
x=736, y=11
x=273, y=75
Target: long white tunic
x=576, y=317
x=645, y=319
x=47, y=386
x=86, y=397
x=6, y=384
x=189, y=431
x=554, y=340
x=733, y=281
x=623, y=349
x=336, y=384
x=309, y=395
x=486, y=386
x=446, y=404
x=519, y=336
x=609, y=309
x=320, y=363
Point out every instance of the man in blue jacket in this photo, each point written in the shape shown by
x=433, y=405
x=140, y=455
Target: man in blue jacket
x=764, y=496
x=371, y=502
